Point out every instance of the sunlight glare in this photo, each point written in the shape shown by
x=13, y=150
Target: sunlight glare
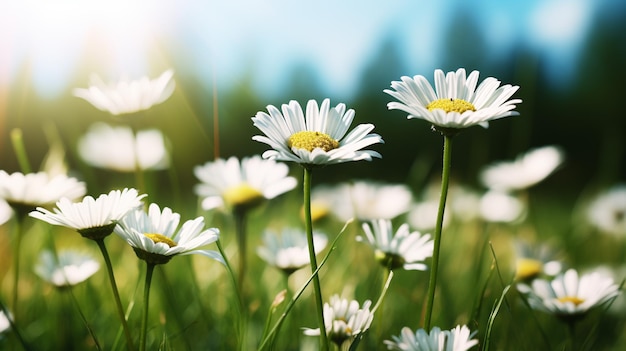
x=52, y=38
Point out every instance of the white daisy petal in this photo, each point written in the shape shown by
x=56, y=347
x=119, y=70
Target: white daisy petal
x=330, y=126
x=157, y=237
x=127, y=97
x=402, y=249
x=489, y=99
x=570, y=294
x=242, y=184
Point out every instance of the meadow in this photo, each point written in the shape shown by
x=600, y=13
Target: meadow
x=516, y=228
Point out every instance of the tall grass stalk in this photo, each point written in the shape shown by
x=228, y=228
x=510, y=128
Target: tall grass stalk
x=241, y=322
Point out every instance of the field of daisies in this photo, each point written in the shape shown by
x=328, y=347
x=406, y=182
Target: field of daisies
x=258, y=254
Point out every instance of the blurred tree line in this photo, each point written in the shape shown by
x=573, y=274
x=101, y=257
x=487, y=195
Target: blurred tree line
x=585, y=117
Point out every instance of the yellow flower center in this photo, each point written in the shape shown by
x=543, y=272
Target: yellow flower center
x=451, y=105
x=528, y=268
x=242, y=194
x=573, y=299
x=160, y=238
x=309, y=140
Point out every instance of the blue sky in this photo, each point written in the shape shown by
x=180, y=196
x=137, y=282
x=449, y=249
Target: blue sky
x=227, y=39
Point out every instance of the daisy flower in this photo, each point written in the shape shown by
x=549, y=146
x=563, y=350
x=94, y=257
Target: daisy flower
x=69, y=268
x=5, y=212
x=323, y=198
x=456, y=102
x=532, y=261
x=289, y=251
x=156, y=237
x=127, y=96
x=607, y=211
x=570, y=295
x=24, y=192
x=344, y=320
x=241, y=184
x=4, y=322
x=402, y=249
x=423, y=215
x=120, y=149
x=315, y=138
x=456, y=339
x=527, y=170
x=501, y=207
x=365, y=200
x=92, y=218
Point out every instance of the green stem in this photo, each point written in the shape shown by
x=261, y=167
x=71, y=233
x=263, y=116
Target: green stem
x=146, y=306
x=17, y=140
x=16, y=261
x=116, y=294
x=432, y=282
x=316, y=280
x=379, y=316
x=240, y=228
x=140, y=181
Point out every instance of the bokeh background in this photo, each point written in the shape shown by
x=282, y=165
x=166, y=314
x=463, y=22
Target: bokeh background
x=233, y=58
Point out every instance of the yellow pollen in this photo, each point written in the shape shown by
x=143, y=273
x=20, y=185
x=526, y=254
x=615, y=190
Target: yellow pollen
x=242, y=194
x=528, y=268
x=309, y=140
x=160, y=238
x=451, y=105
x=573, y=299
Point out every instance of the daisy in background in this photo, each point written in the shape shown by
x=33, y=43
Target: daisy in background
x=127, y=96
x=96, y=219
x=323, y=199
x=120, y=149
x=534, y=261
x=570, y=295
x=423, y=215
x=401, y=249
x=367, y=200
x=607, y=211
x=501, y=207
x=345, y=320
x=5, y=212
x=456, y=339
x=289, y=250
x=316, y=139
x=463, y=206
x=525, y=171
x=456, y=102
x=240, y=185
x=156, y=237
x=67, y=268
x=4, y=322
x=24, y=192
